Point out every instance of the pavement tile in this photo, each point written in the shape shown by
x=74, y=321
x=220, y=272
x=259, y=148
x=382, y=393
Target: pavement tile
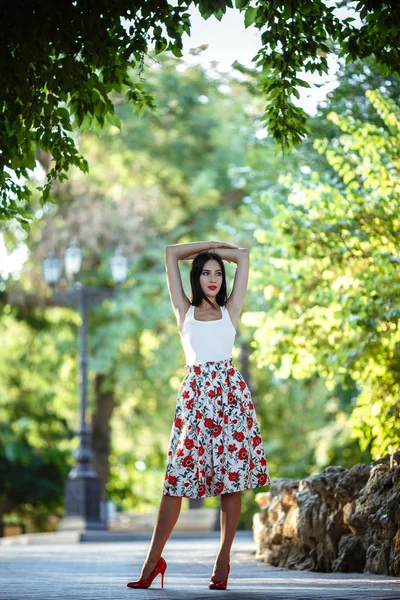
x=100, y=571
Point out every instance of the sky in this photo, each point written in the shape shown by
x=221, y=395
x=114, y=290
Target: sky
x=228, y=40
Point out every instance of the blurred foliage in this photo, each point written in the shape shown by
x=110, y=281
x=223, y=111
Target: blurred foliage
x=329, y=255
x=322, y=344
x=37, y=409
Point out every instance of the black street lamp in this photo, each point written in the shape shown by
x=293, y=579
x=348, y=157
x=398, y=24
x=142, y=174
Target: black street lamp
x=82, y=487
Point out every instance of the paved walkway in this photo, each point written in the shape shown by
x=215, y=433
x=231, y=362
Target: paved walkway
x=100, y=571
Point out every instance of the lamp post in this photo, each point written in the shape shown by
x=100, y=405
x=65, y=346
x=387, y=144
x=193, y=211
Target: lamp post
x=82, y=487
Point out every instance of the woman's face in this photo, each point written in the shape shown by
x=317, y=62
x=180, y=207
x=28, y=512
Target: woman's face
x=211, y=279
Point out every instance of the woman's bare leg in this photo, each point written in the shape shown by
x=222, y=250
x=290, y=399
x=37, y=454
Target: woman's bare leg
x=231, y=505
x=168, y=513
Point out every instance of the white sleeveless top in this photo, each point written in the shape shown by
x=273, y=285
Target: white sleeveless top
x=205, y=341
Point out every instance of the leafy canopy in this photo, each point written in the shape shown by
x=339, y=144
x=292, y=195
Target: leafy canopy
x=61, y=61
x=329, y=255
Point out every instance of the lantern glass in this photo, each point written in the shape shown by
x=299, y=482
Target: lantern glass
x=119, y=266
x=52, y=269
x=72, y=259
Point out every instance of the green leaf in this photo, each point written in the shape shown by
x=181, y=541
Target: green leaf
x=113, y=119
x=250, y=16
x=241, y=4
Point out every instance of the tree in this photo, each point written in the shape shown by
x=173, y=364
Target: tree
x=328, y=270
x=60, y=64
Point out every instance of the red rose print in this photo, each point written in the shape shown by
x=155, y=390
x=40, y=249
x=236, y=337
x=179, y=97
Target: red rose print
x=179, y=452
x=234, y=421
x=242, y=385
x=231, y=398
x=208, y=383
x=178, y=423
x=256, y=440
x=186, y=483
x=258, y=451
x=231, y=371
x=193, y=384
x=262, y=478
x=220, y=449
x=239, y=436
x=233, y=476
x=219, y=486
x=232, y=448
x=172, y=480
x=188, y=462
x=242, y=454
x=216, y=430
x=214, y=374
x=251, y=405
x=263, y=462
x=220, y=413
x=200, y=450
x=211, y=394
x=249, y=422
x=166, y=476
x=226, y=419
x=201, y=489
x=223, y=470
x=169, y=453
x=218, y=390
x=197, y=370
x=208, y=480
x=199, y=415
x=189, y=404
x=186, y=394
x=208, y=422
x=251, y=464
x=188, y=443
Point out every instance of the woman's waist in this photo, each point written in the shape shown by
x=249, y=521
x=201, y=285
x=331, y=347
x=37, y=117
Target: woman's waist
x=200, y=367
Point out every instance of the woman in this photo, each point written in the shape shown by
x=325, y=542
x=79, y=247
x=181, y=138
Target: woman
x=215, y=447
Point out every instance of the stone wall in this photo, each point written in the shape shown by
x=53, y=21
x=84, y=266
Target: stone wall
x=344, y=520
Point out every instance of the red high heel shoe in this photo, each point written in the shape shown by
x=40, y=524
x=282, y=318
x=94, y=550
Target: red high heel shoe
x=160, y=567
x=219, y=585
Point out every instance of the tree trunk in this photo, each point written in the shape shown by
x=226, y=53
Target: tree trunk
x=101, y=430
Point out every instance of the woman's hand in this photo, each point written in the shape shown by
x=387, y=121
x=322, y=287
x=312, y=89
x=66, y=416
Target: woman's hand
x=222, y=245
x=212, y=246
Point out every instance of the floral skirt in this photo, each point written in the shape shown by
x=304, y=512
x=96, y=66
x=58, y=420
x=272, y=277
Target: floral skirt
x=215, y=445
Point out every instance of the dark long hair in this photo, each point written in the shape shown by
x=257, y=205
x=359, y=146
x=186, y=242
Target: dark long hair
x=196, y=270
